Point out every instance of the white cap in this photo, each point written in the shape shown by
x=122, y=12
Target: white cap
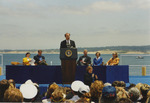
x=107, y=84
x=28, y=91
x=30, y=82
x=76, y=85
x=84, y=89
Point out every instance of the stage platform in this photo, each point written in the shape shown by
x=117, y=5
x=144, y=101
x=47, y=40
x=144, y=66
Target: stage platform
x=132, y=79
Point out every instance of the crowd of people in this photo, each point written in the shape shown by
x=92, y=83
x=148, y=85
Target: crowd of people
x=98, y=92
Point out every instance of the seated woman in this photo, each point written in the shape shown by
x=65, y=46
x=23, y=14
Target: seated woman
x=98, y=60
x=89, y=76
x=27, y=59
x=114, y=60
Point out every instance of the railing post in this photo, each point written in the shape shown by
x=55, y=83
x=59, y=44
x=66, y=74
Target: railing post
x=143, y=70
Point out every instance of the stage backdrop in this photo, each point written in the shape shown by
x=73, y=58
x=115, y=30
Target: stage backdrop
x=50, y=74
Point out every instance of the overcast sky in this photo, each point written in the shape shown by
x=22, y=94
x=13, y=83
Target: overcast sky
x=41, y=24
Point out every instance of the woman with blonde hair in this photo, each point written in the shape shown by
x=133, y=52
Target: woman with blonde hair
x=114, y=60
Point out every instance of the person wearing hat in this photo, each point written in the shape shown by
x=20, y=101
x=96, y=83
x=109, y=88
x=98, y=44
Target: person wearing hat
x=108, y=95
x=30, y=92
x=89, y=76
x=98, y=60
x=75, y=86
x=114, y=60
x=84, y=93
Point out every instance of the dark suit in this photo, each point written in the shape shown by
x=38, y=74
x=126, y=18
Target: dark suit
x=37, y=59
x=88, y=79
x=63, y=44
x=87, y=60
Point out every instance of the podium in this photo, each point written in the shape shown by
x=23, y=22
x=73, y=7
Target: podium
x=68, y=58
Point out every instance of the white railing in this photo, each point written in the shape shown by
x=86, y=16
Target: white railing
x=137, y=61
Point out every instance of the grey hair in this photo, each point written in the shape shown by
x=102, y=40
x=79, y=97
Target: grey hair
x=134, y=94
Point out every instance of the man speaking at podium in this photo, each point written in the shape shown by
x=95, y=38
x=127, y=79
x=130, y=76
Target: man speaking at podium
x=68, y=56
x=67, y=43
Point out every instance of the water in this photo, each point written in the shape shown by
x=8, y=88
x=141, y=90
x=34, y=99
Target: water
x=54, y=60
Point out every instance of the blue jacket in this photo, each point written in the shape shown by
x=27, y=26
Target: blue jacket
x=97, y=62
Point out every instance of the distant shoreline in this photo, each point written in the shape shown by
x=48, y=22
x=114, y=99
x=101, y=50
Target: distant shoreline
x=102, y=52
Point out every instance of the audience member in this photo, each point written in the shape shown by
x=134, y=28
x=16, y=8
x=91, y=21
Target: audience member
x=12, y=83
x=114, y=60
x=109, y=95
x=134, y=94
x=27, y=59
x=89, y=76
x=13, y=95
x=98, y=60
x=124, y=100
x=96, y=90
x=84, y=60
x=30, y=92
x=58, y=95
x=4, y=85
x=75, y=88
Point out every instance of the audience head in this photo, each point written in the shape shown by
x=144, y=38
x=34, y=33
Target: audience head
x=4, y=85
x=85, y=52
x=29, y=91
x=12, y=83
x=122, y=84
x=131, y=85
x=108, y=95
x=96, y=89
x=138, y=86
x=115, y=55
x=76, y=85
x=121, y=92
x=27, y=54
x=67, y=36
x=115, y=83
x=107, y=84
x=144, y=91
x=39, y=52
x=82, y=90
x=124, y=100
x=134, y=94
x=51, y=89
x=13, y=95
x=89, y=69
x=97, y=54
x=58, y=95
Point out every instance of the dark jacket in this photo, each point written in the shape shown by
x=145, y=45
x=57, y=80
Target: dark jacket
x=36, y=58
x=87, y=60
x=88, y=80
x=63, y=44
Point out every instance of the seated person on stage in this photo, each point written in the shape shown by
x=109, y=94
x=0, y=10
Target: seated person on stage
x=114, y=60
x=67, y=43
x=89, y=76
x=84, y=60
x=39, y=59
x=98, y=60
x=27, y=59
